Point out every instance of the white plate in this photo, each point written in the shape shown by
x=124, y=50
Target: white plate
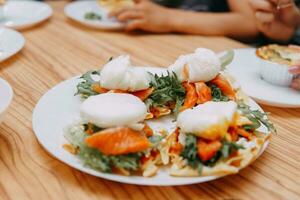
x=245, y=69
x=6, y=97
x=24, y=14
x=76, y=11
x=59, y=108
x=11, y=42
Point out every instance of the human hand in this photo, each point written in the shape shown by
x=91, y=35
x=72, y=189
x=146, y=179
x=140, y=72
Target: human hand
x=276, y=19
x=144, y=15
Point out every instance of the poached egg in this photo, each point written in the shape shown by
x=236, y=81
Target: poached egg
x=113, y=109
x=202, y=65
x=210, y=120
x=120, y=74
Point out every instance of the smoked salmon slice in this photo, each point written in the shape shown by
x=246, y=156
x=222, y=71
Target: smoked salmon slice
x=207, y=149
x=143, y=94
x=224, y=86
x=118, y=141
x=191, y=96
x=203, y=92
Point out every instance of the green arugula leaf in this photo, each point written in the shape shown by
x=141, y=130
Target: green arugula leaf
x=84, y=88
x=256, y=117
x=167, y=90
x=217, y=94
x=190, y=153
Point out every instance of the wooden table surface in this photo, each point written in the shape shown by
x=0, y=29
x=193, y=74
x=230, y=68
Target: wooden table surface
x=60, y=49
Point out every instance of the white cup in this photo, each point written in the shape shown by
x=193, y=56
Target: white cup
x=6, y=96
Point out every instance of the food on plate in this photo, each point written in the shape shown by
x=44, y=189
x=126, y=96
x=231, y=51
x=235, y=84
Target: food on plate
x=193, y=79
x=275, y=61
x=213, y=131
x=216, y=138
x=92, y=16
x=115, y=4
x=113, y=137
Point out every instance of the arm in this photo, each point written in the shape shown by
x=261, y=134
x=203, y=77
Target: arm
x=224, y=24
x=148, y=16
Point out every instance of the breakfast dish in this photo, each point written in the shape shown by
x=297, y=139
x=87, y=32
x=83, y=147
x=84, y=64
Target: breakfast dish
x=32, y=14
x=193, y=79
x=246, y=69
x=275, y=61
x=212, y=132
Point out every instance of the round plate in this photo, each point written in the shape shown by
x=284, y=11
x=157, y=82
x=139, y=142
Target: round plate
x=245, y=69
x=6, y=97
x=76, y=11
x=10, y=43
x=59, y=108
x=24, y=14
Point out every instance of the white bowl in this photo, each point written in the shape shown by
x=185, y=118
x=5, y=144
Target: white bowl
x=6, y=95
x=275, y=73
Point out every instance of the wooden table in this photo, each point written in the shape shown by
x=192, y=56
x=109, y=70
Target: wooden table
x=60, y=49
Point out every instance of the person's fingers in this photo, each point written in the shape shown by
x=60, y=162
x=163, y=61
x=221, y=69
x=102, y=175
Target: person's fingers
x=129, y=15
x=134, y=24
x=296, y=84
x=118, y=11
x=295, y=70
x=262, y=5
x=264, y=17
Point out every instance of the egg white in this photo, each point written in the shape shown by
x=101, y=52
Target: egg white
x=202, y=65
x=112, y=109
x=210, y=120
x=120, y=74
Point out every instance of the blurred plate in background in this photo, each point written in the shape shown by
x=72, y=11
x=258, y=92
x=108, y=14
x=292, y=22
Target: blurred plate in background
x=77, y=10
x=11, y=42
x=24, y=14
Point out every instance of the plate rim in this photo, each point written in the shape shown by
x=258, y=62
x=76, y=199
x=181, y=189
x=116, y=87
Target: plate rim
x=113, y=177
x=32, y=23
x=20, y=46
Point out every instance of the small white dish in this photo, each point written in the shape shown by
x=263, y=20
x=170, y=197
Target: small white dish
x=11, y=42
x=6, y=96
x=24, y=14
x=246, y=70
x=59, y=108
x=77, y=10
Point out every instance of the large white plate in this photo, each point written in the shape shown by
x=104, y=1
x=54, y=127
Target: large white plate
x=245, y=69
x=11, y=42
x=76, y=11
x=59, y=108
x=24, y=14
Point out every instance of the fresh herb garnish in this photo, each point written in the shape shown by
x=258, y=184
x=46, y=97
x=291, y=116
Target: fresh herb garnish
x=217, y=94
x=92, y=16
x=256, y=117
x=190, y=153
x=167, y=91
x=84, y=88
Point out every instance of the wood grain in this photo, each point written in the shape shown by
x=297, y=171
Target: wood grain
x=60, y=49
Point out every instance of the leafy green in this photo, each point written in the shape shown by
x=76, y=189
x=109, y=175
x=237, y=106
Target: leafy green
x=92, y=16
x=95, y=159
x=84, y=88
x=256, y=117
x=94, y=127
x=227, y=58
x=217, y=94
x=167, y=90
x=190, y=153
